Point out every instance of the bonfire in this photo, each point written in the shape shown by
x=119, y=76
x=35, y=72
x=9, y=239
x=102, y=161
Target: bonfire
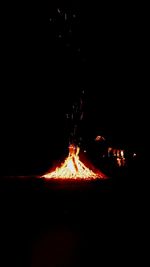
x=73, y=168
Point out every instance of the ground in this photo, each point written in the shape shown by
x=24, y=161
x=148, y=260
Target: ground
x=68, y=224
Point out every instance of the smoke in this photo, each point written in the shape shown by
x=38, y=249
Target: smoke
x=75, y=119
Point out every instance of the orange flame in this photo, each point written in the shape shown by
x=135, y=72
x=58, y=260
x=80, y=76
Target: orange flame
x=73, y=168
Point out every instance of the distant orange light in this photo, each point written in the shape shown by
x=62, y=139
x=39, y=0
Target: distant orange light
x=122, y=153
x=119, y=162
x=99, y=138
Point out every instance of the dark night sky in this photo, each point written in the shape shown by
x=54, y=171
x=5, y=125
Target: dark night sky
x=49, y=54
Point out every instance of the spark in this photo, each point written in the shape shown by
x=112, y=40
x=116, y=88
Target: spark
x=81, y=118
x=58, y=9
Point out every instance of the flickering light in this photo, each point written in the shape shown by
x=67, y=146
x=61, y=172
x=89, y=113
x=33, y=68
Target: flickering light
x=119, y=162
x=122, y=153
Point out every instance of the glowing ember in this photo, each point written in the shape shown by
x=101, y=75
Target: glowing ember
x=73, y=168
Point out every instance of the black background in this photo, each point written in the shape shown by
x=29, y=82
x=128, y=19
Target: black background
x=42, y=76
x=90, y=224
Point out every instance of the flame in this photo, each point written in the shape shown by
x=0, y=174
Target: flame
x=73, y=168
